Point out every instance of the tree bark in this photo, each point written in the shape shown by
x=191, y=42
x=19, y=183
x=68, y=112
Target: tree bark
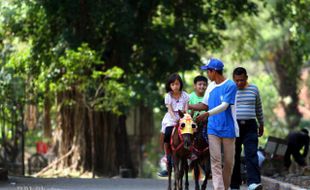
x=65, y=125
x=122, y=147
x=80, y=111
x=78, y=125
x=92, y=139
x=47, y=128
x=288, y=69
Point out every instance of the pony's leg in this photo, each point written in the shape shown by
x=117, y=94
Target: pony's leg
x=205, y=181
x=181, y=174
x=186, y=173
x=169, y=169
x=196, y=174
x=207, y=170
x=176, y=173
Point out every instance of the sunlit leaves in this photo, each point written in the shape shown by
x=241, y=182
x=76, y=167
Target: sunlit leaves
x=135, y=42
x=102, y=88
x=113, y=73
x=295, y=14
x=75, y=66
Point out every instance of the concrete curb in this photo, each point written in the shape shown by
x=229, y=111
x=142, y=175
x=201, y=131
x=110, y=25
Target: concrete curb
x=272, y=184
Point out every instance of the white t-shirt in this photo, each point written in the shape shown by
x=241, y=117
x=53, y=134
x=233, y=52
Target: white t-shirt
x=176, y=104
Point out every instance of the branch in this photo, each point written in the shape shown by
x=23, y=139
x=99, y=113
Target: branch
x=54, y=163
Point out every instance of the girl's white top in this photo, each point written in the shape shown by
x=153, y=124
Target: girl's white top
x=176, y=104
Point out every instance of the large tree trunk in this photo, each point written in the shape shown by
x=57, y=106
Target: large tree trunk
x=288, y=66
x=123, y=148
x=65, y=126
x=71, y=123
x=47, y=128
x=109, y=133
x=105, y=143
x=79, y=143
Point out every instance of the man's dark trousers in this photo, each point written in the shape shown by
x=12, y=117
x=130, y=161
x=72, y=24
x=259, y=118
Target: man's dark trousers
x=248, y=137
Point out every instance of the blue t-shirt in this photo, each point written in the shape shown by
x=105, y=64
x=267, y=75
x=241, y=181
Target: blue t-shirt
x=222, y=124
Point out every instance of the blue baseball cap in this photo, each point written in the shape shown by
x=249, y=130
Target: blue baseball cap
x=214, y=64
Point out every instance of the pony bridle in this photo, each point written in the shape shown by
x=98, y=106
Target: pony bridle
x=187, y=125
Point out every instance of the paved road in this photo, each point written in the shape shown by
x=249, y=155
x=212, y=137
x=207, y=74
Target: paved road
x=16, y=183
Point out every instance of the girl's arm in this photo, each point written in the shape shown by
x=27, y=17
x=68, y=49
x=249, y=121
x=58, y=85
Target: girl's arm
x=170, y=111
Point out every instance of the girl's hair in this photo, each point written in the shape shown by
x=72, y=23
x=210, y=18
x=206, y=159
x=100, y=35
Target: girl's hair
x=171, y=79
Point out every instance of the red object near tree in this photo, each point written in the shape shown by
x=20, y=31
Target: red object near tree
x=41, y=147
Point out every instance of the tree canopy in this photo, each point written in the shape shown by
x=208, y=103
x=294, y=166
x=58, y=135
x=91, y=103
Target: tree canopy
x=146, y=39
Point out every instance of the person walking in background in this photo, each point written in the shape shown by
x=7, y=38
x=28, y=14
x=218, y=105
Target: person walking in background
x=296, y=141
x=175, y=100
x=222, y=129
x=248, y=109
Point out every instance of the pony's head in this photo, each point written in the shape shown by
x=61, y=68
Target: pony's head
x=186, y=124
x=186, y=129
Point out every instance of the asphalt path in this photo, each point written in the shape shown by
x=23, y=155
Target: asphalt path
x=24, y=183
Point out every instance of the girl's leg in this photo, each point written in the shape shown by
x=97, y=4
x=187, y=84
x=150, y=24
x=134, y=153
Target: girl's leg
x=167, y=147
x=168, y=152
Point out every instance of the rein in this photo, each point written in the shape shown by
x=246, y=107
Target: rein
x=199, y=152
x=175, y=149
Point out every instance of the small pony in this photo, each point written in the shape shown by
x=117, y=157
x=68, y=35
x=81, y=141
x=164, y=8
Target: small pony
x=201, y=150
x=181, y=146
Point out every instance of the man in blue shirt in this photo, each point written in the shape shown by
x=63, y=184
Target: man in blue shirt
x=219, y=99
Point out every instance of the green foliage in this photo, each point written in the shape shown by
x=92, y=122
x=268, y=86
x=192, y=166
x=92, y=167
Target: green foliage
x=75, y=68
x=277, y=21
x=304, y=124
x=12, y=97
x=274, y=126
x=103, y=90
x=296, y=14
x=278, y=38
x=148, y=40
